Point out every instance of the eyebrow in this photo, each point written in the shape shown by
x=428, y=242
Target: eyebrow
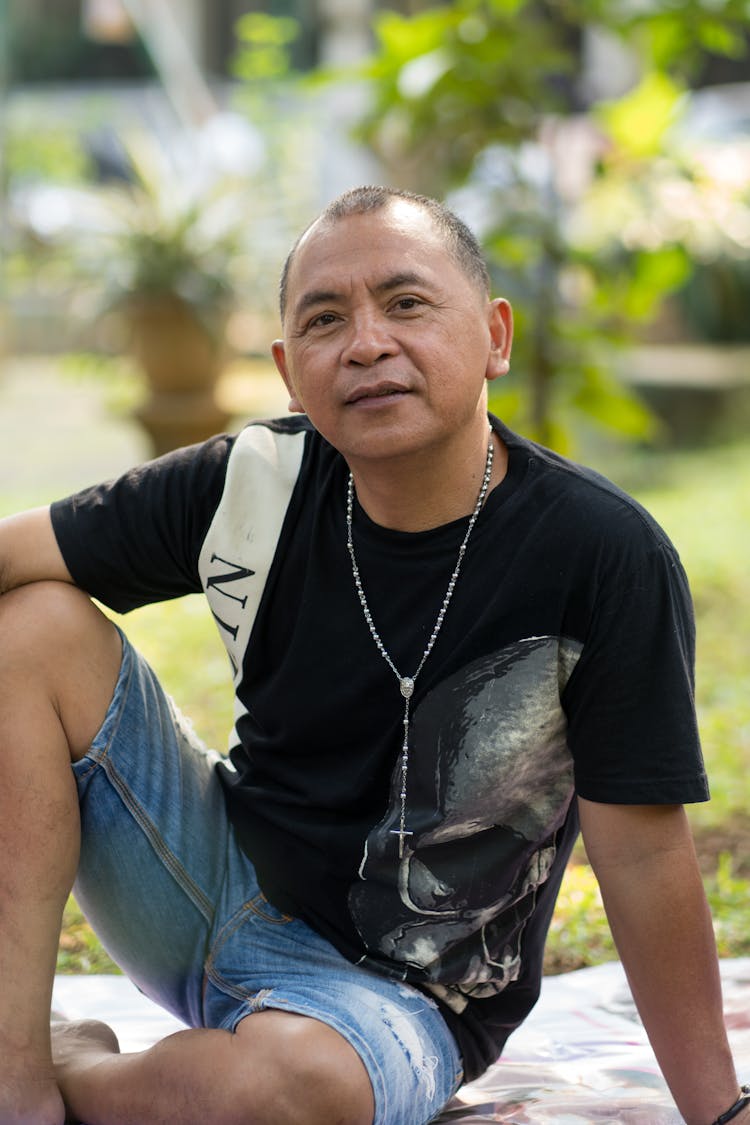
x=315, y=297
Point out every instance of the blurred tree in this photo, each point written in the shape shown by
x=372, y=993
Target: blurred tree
x=484, y=99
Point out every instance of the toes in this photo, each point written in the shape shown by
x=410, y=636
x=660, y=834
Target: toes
x=79, y=1036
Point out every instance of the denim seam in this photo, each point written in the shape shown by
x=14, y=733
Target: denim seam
x=100, y=756
x=238, y=920
x=89, y=761
x=199, y=899
x=252, y=905
x=235, y=990
x=227, y=931
x=96, y=755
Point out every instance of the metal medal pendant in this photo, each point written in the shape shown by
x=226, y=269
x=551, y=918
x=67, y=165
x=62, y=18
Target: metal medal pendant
x=406, y=684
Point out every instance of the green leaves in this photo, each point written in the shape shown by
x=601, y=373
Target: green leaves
x=264, y=43
x=402, y=39
x=483, y=95
x=638, y=122
x=452, y=79
x=676, y=37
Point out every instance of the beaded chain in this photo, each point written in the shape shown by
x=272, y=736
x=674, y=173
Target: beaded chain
x=407, y=683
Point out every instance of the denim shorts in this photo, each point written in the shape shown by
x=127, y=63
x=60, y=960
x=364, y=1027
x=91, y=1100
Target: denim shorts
x=177, y=904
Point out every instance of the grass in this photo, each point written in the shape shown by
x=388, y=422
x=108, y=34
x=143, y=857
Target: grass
x=702, y=498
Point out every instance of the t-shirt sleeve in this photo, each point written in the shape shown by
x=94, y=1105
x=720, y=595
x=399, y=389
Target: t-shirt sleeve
x=630, y=702
x=136, y=539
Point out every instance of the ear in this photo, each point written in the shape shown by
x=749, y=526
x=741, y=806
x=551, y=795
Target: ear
x=279, y=358
x=501, y=337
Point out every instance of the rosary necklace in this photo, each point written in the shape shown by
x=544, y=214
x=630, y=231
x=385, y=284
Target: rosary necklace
x=406, y=683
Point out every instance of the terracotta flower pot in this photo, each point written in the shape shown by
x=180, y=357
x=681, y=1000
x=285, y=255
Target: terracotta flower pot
x=182, y=360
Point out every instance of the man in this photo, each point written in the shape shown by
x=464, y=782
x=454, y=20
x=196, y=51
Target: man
x=448, y=645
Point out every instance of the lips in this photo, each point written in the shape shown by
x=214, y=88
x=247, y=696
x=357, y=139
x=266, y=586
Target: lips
x=377, y=391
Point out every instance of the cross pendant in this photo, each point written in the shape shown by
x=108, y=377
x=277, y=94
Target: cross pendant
x=401, y=833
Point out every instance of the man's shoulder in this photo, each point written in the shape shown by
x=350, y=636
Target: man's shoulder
x=277, y=460
x=578, y=499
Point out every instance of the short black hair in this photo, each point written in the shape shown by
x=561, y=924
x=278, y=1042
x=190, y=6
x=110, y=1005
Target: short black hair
x=460, y=240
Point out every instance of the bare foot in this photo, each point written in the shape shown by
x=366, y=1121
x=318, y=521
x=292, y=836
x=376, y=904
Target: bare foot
x=74, y=1041
x=78, y=1045
x=28, y=1092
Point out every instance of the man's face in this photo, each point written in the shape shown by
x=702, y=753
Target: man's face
x=387, y=342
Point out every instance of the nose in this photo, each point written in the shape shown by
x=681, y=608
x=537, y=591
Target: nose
x=369, y=339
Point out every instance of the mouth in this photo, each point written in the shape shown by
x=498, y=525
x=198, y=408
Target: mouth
x=378, y=393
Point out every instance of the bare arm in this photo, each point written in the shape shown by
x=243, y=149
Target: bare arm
x=29, y=551
x=645, y=862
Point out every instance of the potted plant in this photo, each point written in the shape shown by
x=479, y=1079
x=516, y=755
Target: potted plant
x=167, y=246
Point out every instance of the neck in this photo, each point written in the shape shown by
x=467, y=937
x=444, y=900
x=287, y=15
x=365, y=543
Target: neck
x=415, y=494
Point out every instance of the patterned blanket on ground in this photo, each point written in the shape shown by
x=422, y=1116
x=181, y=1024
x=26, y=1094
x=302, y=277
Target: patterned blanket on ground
x=581, y=1057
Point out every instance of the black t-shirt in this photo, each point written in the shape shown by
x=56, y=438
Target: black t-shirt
x=564, y=666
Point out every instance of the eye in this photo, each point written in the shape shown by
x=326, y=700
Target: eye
x=322, y=320
x=406, y=304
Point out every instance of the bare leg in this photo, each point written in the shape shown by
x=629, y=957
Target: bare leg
x=277, y=1068
x=59, y=659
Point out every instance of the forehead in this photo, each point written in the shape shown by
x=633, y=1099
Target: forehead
x=398, y=237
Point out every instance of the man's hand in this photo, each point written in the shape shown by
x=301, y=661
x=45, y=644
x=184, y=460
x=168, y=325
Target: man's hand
x=645, y=862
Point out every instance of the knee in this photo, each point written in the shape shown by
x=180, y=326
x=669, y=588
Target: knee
x=45, y=618
x=310, y=1076
x=330, y=1085
x=57, y=646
